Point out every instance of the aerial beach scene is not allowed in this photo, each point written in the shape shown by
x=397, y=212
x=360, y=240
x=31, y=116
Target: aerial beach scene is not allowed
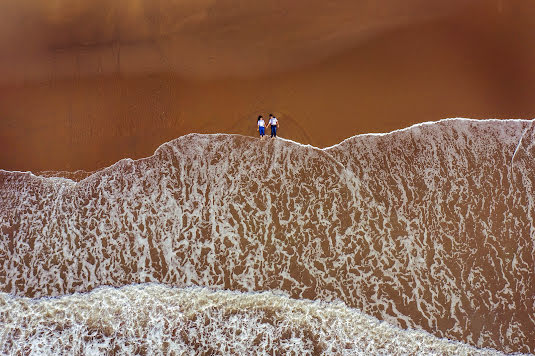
x=223, y=177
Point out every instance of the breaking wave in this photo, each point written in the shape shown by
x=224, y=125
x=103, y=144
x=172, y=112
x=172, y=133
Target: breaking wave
x=430, y=227
x=155, y=319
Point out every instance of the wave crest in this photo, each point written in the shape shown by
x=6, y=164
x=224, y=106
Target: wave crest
x=157, y=319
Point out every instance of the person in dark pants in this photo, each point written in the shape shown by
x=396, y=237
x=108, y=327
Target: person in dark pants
x=261, y=126
x=274, y=124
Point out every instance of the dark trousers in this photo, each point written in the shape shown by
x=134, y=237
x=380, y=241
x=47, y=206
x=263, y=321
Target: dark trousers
x=273, y=131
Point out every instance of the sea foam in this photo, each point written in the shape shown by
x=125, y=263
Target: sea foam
x=430, y=227
x=156, y=319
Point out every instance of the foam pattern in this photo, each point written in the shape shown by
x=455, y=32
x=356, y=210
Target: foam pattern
x=430, y=227
x=160, y=320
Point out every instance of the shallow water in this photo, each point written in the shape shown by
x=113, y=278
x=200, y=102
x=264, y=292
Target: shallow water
x=430, y=227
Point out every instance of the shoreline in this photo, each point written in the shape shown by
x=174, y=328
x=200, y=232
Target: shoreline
x=65, y=174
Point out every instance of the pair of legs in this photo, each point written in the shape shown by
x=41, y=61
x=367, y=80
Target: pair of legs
x=273, y=131
x=261, y=131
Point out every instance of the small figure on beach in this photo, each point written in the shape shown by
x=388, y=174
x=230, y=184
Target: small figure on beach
x=274, y=124
x=261, y=126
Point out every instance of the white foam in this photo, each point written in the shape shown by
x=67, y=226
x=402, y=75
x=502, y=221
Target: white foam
x=157, y=319
x=409, y=227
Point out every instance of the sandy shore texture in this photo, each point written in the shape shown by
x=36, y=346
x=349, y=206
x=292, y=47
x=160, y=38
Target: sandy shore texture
x=430, y=227
x=85, y=84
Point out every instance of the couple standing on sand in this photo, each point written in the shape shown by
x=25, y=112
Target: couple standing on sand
x=273, y=123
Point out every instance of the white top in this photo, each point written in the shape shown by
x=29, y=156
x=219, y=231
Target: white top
x=273, y=121
x=261, y=123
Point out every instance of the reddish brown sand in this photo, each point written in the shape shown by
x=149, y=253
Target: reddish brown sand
x=79, y=90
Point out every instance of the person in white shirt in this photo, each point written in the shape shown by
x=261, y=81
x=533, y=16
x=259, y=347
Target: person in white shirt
x=261, y=126
x=274, y=124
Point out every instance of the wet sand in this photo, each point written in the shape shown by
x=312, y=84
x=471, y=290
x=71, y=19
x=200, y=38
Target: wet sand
x=474, y=62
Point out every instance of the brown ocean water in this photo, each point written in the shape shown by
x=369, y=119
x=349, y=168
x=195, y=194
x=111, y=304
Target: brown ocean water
x=429, y=228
